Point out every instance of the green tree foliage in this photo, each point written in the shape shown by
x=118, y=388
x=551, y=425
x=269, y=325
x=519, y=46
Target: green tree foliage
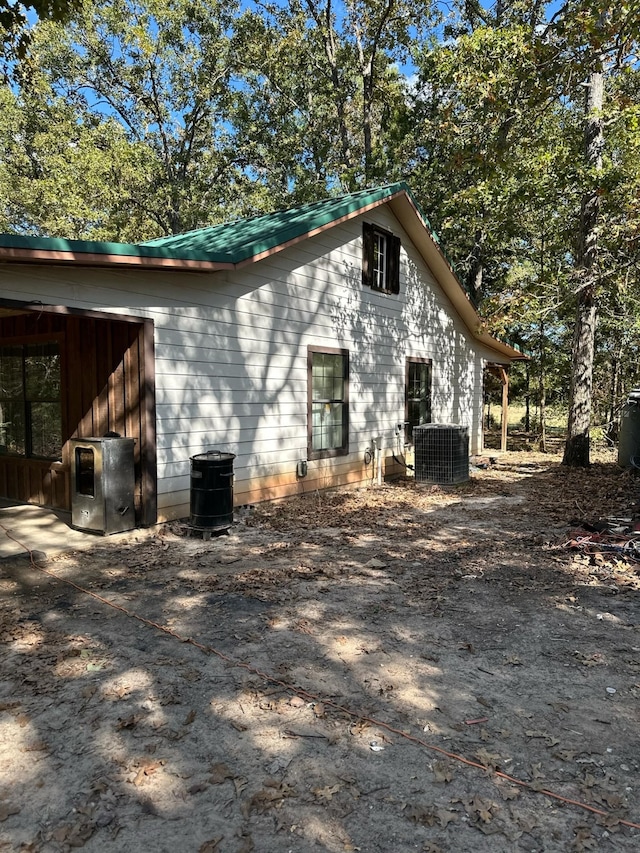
x=501, y=98
x=16, y=33
x=473, y=123
x=322, y=82
x=151, y=84
x=143, y=117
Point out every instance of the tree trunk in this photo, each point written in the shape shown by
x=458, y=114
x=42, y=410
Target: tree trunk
x=611, y=428
x=367, y=102
x=576, y=451
x=327, y=34
x=542, y=394
x=527, y=400
x=476, y=269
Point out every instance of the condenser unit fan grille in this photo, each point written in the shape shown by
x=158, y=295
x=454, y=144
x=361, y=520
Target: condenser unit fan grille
x=441, y=453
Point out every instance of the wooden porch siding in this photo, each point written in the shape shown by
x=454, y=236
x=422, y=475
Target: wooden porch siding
x=35, y=481
x=104, y=388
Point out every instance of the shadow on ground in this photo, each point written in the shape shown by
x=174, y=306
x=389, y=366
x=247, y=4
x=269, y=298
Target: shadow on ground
x=401, y=668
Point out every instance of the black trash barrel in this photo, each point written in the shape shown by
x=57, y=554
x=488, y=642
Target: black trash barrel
x=212, y=491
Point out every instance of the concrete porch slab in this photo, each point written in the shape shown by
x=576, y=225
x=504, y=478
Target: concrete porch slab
x=26, y=528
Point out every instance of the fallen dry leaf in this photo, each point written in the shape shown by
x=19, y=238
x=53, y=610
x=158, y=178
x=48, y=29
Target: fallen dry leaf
x=247, y=845
x=445, y=817
x=128, y=723
x=442, y=772
x=220, y=772
x=422, y=814
x=509, y=792
x=489, y=759
x=211, y=846
x=7, y=810
x=327, y=792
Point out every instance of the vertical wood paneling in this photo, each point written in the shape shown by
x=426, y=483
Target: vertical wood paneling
x=131, y=389
x=148, y=449
x=35, y=488
x=12, y=482
x=73, y=401
x=105, y=384
x=86, y=376
x=103, y=362
x=131, y=392
x=116, y=381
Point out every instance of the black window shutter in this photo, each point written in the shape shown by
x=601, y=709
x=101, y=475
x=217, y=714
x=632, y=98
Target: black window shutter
x=394, y=264
x=367, y=254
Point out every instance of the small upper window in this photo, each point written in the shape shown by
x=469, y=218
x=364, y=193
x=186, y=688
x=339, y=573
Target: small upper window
x=380, y=259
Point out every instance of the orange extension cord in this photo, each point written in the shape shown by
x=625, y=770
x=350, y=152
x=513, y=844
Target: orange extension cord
x=305, y=694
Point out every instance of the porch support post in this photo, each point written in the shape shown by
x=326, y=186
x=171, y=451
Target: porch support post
x=504, y=377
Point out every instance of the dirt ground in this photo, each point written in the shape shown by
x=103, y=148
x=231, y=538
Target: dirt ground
x=398, y=668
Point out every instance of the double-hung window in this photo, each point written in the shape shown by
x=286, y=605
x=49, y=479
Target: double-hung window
x=30, y=406
x=380, y=259
x=328, y=402
x=417, y=395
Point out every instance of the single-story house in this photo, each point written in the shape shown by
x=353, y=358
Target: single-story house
x=306, y=342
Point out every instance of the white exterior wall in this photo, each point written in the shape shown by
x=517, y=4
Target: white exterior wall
x=231, y=355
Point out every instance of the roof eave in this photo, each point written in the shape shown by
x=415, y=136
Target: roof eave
x=94, y=259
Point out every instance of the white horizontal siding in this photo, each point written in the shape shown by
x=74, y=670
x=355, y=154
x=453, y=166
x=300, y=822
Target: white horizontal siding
x=231, y=348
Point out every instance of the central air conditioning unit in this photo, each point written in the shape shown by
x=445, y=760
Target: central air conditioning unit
x=441, y=453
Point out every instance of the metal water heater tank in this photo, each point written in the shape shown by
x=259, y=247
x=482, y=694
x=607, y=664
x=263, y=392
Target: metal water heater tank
x=103, y=484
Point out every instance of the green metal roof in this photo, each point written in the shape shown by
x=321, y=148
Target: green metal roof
x=88, y=247
x=228, y=243
x=233, y=242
